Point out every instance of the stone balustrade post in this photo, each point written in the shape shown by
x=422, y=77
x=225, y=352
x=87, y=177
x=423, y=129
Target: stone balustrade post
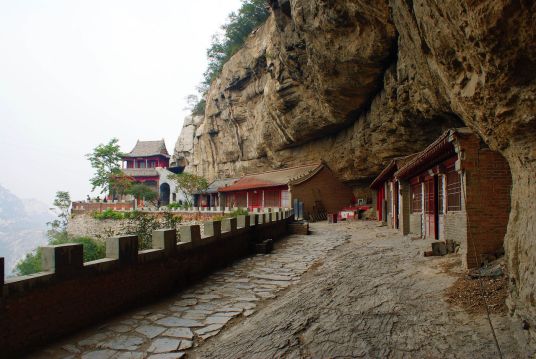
x=165, y=239
x=270, y=216
x=62, y=259
x=259, y=218
x=190, y=233
x=123, y=248
x=242, y=221
x=228, y=225
x=253, y=220
x=212, y=229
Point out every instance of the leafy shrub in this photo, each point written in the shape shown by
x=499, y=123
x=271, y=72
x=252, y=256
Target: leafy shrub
x=171, y=221
x=233, y=214
x=93, y=250
x=30, y=264
x=199, y=108
x=239, y=212
x=142, y=225
x=108, y=214
x=175, y=205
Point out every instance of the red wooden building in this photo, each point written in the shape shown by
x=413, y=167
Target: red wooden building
x=314, y=185
x=387, y=192
x=263, y=190
x=142, y=161
x=456, y=189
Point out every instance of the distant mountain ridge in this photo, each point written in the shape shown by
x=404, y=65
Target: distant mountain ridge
x=22, y=226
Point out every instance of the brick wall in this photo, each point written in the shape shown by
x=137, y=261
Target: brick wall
x=324, y=187
x=488, y=185
x=455, y=228
x=89, y=207
x=37, y=309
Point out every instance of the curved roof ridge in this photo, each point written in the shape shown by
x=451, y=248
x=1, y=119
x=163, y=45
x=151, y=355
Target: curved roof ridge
x=281, y=169
x=149, y=148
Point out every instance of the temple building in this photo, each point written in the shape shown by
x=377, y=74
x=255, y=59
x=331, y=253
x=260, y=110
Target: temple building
x=148, y=163
x=387, y=192
x=211, y=197
x=314, y=185
x=456, y=189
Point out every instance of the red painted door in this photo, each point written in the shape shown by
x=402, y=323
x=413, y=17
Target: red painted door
x=255, y=199
x=395, y=202
x=430, y=208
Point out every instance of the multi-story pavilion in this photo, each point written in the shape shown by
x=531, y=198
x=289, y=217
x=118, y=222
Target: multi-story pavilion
x=141, y=163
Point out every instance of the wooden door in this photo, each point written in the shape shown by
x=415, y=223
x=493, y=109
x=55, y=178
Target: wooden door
x=395, y=206
x=255, y=199
x=430, y=207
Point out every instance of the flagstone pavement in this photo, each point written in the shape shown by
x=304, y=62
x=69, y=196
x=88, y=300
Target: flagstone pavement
x=172, y=327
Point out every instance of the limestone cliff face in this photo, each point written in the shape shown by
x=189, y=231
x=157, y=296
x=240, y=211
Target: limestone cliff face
x=184, y=148
x=357, y=82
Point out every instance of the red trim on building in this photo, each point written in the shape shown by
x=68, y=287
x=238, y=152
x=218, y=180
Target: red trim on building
x=380, y=198
x=438, y=151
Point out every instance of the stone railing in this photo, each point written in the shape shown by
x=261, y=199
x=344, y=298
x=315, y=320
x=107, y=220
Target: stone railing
x=70, y=294
x=94, y=206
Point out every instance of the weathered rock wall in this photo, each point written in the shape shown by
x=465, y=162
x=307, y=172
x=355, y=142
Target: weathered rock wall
x=356, y=83
x=84, y=225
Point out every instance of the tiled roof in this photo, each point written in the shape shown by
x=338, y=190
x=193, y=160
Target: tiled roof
x=439, y=150
x=271, y=179
x=149, y=148
x=220, y=183
x=217, y=184
x=140, y=172
x=390, y=170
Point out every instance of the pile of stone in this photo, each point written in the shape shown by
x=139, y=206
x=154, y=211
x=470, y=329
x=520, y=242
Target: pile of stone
x=442, y=248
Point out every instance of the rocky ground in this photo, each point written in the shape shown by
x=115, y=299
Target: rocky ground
x=348, y=290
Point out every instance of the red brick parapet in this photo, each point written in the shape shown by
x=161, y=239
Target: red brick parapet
x=90, y=207
x=72, y=295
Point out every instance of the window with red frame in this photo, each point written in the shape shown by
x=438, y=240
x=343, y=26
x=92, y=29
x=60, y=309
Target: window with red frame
x=416, y=198
x=454, y=191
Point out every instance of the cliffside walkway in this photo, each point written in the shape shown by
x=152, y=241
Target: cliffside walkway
x=349, y=289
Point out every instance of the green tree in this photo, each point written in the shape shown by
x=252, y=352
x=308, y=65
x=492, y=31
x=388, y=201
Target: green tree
x=106, y=161
x=31, y=264
x=239, y=26
x=93, y=249
x=120, y=184
x=143, y=192
x=188, y=184
x=57, y=234
x=62, y=202
x=142, y=225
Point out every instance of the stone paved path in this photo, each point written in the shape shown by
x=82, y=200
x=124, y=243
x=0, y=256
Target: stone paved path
x=351, y=290
x=375, y=297
x=173, y=327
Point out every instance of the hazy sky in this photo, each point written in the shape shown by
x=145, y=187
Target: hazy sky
x=76, y=73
